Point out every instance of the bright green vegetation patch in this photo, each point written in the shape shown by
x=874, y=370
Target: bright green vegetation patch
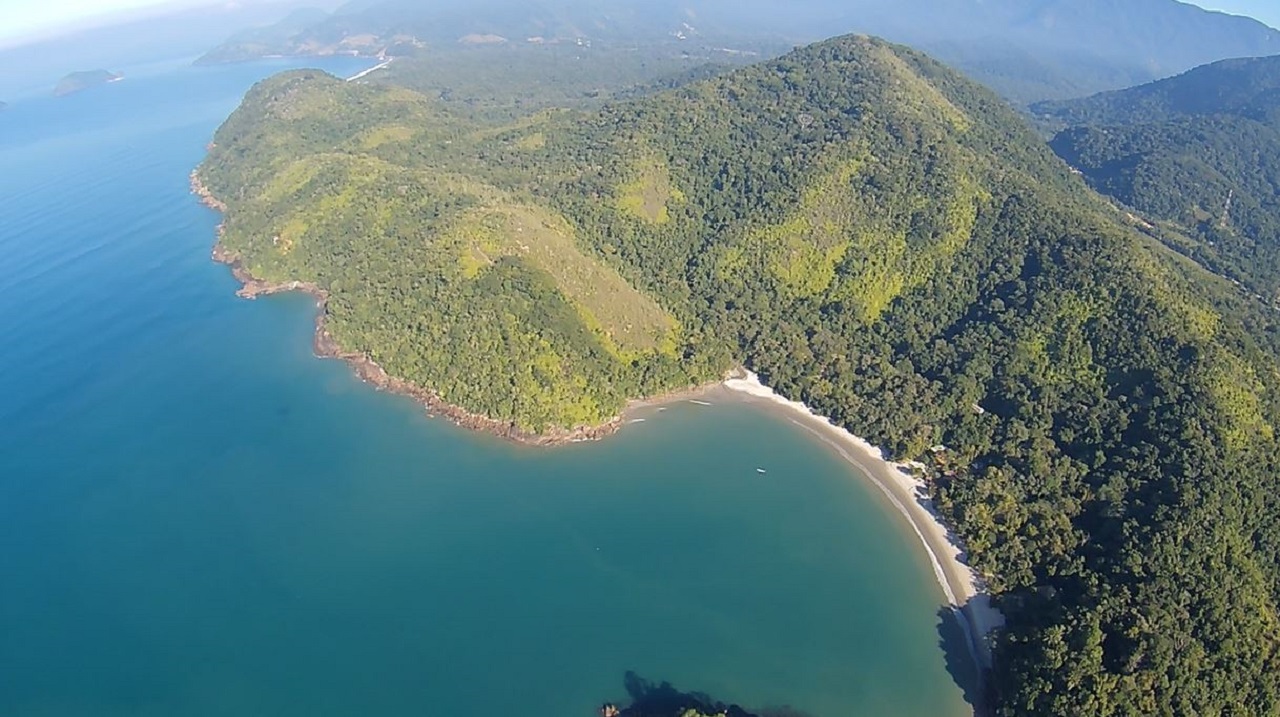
x=1232, y=381
x=802, y=253
x=912, y=94
x=518, y=130
x=290, y=179
x=1168, y=285
x=836, y=247
x=532, y=142
x=884, y=262
x=650, y=195
x=1060, y=351
x=1236, y=390
x=391, y=134
x=631, y=323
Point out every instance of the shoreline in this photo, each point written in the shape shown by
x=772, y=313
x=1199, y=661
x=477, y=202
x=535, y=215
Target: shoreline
x=964, y=589
x=368, y=370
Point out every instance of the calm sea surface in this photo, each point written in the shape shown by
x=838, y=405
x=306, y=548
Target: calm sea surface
x=198, y=517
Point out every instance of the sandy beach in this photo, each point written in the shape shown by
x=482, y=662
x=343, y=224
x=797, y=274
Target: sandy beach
x=962, y=587
x=370, y=71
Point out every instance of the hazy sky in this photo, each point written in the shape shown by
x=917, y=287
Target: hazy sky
x=28, y=18
x=1267, y=11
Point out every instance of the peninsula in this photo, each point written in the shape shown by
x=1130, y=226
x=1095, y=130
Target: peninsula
x=873, y=235
x=900, y=482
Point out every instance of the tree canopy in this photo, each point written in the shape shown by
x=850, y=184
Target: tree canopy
x=1199, y=155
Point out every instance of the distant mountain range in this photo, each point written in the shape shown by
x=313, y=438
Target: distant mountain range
x=1200, y=150
x=1026, y=49
x=1244, y=87
x=400, y=27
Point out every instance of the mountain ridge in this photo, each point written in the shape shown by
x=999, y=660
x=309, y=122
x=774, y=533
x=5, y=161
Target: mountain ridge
x=1199, y=152
x=1231, y=86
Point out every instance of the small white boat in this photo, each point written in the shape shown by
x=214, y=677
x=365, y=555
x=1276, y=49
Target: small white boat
x=760, y=470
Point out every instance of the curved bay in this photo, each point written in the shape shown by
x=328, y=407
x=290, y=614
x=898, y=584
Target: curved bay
x=198, y=517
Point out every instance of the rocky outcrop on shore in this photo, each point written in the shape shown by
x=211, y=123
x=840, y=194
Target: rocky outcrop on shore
x=206, y=197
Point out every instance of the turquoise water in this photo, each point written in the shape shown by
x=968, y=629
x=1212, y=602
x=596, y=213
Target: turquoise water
x=197, y=517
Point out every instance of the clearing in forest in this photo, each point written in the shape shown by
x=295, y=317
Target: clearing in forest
x=649, y=195
x=632, y=322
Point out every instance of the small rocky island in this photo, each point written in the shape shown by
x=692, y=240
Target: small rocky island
x=79, y=81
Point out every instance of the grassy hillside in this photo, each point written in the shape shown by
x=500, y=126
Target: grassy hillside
x=1201, y=151
x=874, y=235
x=444, y=278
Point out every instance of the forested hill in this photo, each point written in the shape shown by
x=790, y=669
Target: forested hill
x=1202, y=151
x=1027, y=49
x=1243, y=87
x=874, y=235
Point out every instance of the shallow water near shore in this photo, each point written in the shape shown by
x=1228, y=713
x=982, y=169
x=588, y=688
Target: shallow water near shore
x=198, y=517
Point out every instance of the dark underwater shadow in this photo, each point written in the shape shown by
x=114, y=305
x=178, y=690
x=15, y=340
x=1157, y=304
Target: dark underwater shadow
x=654, y=699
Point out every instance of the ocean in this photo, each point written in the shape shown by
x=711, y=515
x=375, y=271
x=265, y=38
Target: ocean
x=199, y=517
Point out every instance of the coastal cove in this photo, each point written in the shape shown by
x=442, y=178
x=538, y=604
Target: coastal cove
x=899, y=482
x=201, y=518
x=367, y=369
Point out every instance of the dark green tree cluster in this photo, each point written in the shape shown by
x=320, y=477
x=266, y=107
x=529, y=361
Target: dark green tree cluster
x=1201, y=151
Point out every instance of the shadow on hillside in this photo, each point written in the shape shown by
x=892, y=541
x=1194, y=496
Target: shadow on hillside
x=957, y=635
x=958, y=650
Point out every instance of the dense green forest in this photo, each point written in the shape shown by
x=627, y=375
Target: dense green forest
x=1200, y=151
x=874, y=235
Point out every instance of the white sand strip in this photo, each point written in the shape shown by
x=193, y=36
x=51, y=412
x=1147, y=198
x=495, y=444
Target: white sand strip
x=366, y=73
